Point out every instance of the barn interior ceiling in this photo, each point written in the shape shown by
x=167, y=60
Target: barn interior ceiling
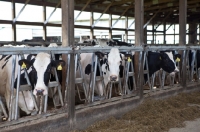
x=160, y=10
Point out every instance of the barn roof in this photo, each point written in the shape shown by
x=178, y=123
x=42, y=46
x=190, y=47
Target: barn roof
x=160, y=10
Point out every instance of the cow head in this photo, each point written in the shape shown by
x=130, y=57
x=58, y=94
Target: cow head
x=41, y=70
x=168, y=61
x=111, y=64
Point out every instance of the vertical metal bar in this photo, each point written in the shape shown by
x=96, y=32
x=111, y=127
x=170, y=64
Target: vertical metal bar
x=67, y=78
x=91, y=23
x=17, y=92
x=164, y=33
x=44, y=26
x=57, y=80
x=184, y=69
x=29, y=83
x=12, y=88
x=141, y=73
x=94, y=77
x=126, y=31
x=110, y=24
x=13, y=24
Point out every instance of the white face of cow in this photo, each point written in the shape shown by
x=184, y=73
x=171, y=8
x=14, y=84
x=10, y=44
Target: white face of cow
x=113, y=64
x=171, y=57
x=42, y=67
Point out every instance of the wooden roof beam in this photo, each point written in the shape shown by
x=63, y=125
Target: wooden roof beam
x=145, y=25
x=102, y=13
x=164, y=19
x=121, y=15
x=15, y=19
x=52, y=12
x=88, y=2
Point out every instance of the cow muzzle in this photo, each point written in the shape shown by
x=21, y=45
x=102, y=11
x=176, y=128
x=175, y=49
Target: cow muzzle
x=40, y=92
x=113, y=78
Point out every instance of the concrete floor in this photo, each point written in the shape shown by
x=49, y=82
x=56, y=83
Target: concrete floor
x=190, y=126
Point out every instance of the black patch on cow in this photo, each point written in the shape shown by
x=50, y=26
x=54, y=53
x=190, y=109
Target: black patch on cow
x=104, y=73
x=121, y=69
x=88, y=69
x=29, y=57
x=47, y=75
x=22, y=80
x=4, y=65
x=107, y=67
x=8, y=57
x=3, y=56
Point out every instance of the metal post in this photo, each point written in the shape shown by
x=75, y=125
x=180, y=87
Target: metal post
x=17, y=92
x=44, y=26
x=12, y=88
x=13, y=24
x=91, y=23
x=110, y=24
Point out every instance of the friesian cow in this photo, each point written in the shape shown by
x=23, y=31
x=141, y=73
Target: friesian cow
x=111, y=66
x=165, y=60
x=38, y=68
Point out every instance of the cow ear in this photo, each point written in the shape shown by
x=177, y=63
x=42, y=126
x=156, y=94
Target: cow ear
x=177, y=57
x=24, y=63
x=99, y=54
x=126, y=57
x=58, y=64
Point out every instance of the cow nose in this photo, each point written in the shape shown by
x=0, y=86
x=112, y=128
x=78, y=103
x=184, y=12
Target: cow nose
x=39, y=92
x=113, y=78
x=176, y=70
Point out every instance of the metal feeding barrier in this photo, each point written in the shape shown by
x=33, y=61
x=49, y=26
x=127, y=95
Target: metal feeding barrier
x=90, y=97
x=162, y=73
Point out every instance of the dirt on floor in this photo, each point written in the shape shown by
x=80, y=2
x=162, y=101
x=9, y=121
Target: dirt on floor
x=154, y=115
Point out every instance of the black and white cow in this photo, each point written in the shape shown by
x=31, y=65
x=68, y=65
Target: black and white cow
x=38, y=68
x=118, y=43
x=111, y=66
x=165, y=60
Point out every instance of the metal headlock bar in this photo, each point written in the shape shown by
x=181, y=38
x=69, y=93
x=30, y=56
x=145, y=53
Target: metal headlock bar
x=78, y=80
x=21, y=88
x=89, y=93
